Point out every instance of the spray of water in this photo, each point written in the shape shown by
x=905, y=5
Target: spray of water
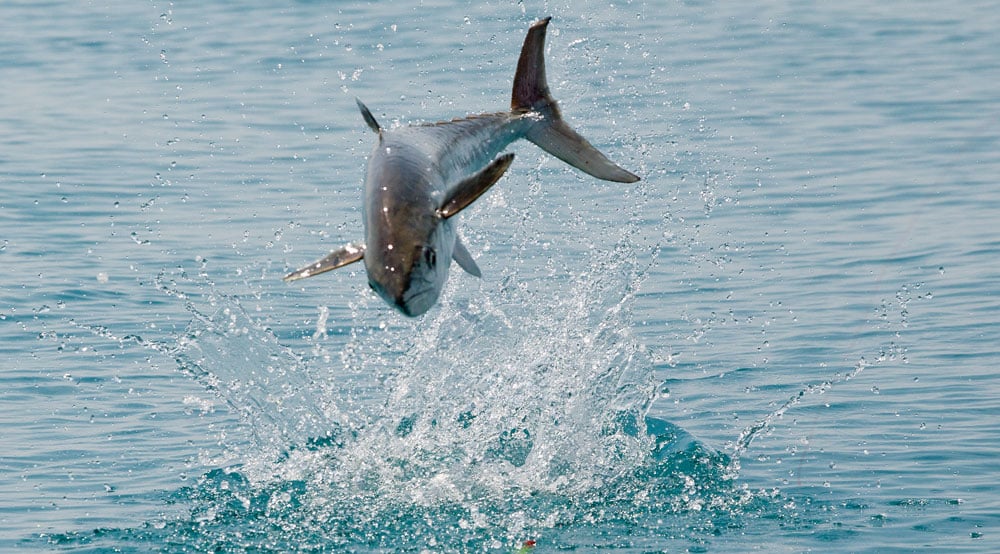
x=522, y=409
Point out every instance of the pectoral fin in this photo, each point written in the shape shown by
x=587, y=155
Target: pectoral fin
x=464, y=259
x=466, y=192
x=338, y=258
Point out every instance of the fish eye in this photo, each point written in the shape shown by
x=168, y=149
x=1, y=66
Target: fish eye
x=430, y=256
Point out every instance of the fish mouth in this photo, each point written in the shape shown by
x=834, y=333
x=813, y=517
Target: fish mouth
x=409, y=302
x=416, y=303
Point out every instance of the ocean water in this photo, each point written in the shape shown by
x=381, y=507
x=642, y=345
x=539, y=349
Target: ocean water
x=783, y=338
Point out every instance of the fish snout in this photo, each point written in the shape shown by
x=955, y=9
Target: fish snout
x=409, y=300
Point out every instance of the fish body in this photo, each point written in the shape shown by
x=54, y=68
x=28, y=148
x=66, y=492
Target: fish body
x=420, y=176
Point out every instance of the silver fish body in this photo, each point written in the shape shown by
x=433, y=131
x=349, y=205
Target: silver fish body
x=420, y=176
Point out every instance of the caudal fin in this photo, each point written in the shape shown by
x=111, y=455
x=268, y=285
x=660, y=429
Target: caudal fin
x=551, y=133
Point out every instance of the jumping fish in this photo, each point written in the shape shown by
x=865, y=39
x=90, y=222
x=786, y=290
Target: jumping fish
x=421, y=176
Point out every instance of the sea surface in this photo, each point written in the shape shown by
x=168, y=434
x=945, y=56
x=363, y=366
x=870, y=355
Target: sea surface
x=784, y=338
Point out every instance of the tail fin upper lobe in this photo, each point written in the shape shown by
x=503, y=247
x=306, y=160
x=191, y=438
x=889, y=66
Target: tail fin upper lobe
x=552, y=134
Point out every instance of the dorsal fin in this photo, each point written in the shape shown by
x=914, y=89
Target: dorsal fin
x=367, y=115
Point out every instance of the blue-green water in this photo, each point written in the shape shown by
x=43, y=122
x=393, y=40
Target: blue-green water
x=784, y=338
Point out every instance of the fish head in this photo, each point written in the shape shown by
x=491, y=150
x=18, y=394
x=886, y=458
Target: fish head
x=407, y=276
x=409, y=246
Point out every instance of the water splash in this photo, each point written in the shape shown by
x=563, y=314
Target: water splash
x=502, y=418
x=522, y=390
